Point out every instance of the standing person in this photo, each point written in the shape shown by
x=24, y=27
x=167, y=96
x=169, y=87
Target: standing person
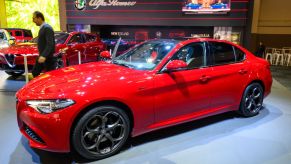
x=45, y=45
x=261, y=50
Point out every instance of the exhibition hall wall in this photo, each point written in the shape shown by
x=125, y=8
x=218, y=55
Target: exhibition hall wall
x=19, y=13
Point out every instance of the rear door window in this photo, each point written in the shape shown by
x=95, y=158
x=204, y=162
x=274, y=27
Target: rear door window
x=222, y=53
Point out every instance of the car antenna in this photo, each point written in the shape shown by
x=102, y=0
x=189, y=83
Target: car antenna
x=115, y=48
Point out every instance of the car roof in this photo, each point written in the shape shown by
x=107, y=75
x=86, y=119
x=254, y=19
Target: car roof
x=80, y=32
x=16, y=29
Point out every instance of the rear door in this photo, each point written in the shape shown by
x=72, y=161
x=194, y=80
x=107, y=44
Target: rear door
x=229, y=75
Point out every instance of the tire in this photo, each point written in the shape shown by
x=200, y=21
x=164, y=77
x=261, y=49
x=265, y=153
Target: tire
x=14, y=73
x=252, y=100
x=101, y=132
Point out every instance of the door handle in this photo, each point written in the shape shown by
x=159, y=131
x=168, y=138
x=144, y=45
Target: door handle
x=204, y=78
x=242, y=71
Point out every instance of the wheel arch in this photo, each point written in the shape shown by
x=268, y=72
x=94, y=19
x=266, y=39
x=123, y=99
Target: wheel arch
x=257, y=81
x=114, y=103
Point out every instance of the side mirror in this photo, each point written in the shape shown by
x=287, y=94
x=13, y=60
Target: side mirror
x=105, y=55
x=176, y=65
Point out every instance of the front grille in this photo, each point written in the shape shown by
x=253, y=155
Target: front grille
x=32, y=134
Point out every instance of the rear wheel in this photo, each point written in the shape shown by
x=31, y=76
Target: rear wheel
x=14, y=73
x=101, y=132
x=252, y=100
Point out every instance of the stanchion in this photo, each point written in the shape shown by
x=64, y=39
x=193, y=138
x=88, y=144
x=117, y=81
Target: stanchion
x=25, y=69
x=79, y=57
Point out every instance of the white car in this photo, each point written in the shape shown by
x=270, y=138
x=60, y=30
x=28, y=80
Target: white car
x=5, y=39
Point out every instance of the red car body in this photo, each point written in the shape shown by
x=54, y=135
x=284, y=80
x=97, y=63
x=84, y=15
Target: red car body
x=67, y=47
x=20, y=35
x=153, y=99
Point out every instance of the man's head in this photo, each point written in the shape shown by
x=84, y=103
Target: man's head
x=38, y=18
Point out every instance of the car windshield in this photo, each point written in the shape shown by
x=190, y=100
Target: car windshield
x=2, y=36
x=146, y=56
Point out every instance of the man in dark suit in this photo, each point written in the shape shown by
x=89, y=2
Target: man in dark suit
x=45, y=45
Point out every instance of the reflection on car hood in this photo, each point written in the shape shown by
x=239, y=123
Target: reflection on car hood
x=75, y=77
x=20, y=49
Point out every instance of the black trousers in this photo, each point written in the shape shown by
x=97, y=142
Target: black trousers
x=48, y=65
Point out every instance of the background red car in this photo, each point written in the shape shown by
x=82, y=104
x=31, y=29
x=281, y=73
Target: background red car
x=20, y=34
x=68, y=45
x=93, y=108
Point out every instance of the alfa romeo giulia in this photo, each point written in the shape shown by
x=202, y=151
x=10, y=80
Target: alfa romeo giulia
x=94, y=108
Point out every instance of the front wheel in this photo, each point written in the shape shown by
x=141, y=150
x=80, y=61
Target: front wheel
x=252, y=100
x=101, y=132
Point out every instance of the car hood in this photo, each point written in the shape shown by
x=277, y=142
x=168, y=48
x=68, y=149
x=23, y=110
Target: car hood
x=25, y=48
x=62, y=81
x=20, y=49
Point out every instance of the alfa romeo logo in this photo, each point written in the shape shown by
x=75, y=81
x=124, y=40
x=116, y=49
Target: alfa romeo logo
x=80, y=4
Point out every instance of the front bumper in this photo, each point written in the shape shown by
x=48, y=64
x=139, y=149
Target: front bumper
x=15, y=62
x=45, y=131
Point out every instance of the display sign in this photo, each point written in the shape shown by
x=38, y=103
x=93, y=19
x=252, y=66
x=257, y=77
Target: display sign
x=206, y=6
x=81, y=4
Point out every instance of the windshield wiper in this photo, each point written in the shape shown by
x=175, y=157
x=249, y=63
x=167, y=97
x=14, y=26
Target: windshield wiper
x=122, y=64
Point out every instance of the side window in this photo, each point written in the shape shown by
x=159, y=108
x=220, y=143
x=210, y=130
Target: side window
x=90, y=38
x=240, y=55
x=193, y=54
x=18, y=33
x=222, y=53
x=75, y=39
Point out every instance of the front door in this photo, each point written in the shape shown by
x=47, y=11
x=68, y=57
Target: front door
x=183, y=95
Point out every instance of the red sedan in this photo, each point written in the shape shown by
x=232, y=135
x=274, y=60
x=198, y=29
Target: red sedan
x=93, y=108
x=68, y=45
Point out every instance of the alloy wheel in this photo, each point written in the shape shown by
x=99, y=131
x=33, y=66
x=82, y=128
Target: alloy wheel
x=253, y=99
x=103, y=133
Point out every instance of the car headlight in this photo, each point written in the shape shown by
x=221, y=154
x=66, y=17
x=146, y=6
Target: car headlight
x=49, y=106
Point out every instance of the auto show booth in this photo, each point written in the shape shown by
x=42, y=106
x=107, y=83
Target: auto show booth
x=138, y=20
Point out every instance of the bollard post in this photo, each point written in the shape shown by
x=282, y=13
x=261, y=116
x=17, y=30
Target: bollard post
x=79, y=57
x=25, y=69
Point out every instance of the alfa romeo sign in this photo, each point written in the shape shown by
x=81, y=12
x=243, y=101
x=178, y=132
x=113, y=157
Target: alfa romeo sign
x=81, y=4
